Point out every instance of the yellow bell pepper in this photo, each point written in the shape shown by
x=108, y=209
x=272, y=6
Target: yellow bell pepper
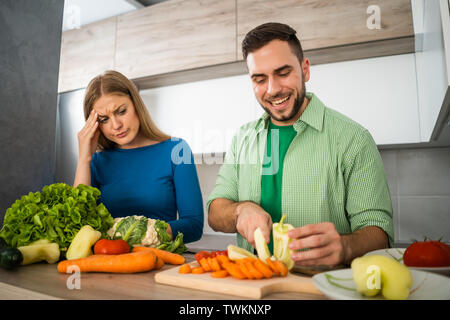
x=281, y=242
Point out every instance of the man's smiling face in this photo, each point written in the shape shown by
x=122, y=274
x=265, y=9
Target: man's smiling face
x=279, y=81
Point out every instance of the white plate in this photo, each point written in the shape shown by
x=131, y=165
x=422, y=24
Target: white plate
x=397, y=254
x=339, y=285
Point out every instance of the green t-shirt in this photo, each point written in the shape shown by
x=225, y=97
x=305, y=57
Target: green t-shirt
x=278, y=140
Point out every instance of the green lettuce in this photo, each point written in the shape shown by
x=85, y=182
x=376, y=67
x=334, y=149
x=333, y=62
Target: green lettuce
x=55, y=213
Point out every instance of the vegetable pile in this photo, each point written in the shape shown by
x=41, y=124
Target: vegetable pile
x=61, y=222
x=220, y=264
x=56, y=213
x=242, y=264
x=143, y=231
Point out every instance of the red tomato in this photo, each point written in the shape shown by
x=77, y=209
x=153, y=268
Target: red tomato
x=427, y=254
x=213, y=254
x=105, y=246
x=200, y=255
x=222, y=253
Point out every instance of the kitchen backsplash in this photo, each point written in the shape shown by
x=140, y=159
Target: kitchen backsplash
x=419, y=183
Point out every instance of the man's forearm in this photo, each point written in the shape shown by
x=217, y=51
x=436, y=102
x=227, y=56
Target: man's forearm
x=222, y=215
x=362, y=241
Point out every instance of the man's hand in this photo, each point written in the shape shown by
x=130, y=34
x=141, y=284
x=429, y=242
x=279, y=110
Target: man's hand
x=250, y=216
x=323, y=241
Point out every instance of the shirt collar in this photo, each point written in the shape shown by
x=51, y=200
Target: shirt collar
x=312, y=116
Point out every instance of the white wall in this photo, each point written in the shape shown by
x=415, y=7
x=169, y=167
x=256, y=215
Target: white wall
x=378, y=93
x=78, y=13
x=205, y=113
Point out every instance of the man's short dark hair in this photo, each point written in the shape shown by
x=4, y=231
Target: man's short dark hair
x=263, y=34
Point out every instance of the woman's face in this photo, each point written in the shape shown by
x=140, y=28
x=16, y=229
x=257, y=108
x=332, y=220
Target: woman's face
x=118, y=120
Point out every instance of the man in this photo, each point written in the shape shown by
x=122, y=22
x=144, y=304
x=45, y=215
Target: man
x=301, y=159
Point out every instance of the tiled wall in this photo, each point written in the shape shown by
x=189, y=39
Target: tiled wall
x=419, y=183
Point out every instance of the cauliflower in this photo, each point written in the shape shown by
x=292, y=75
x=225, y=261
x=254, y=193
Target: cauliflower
x=138, y=230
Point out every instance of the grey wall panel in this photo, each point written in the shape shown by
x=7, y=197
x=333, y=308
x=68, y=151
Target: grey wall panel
x=30, y=42
x=70, y=122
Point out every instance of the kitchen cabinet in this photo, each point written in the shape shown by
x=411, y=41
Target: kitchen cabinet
x=175, y=35
x=85, y=53
x=180, y=41
x=335, y=30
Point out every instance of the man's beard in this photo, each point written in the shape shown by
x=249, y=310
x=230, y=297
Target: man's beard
x=298, y=102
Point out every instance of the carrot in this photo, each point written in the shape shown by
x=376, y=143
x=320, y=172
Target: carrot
x=168, y=257
x=272, y=266
x=204, y=264
x=159, y=263
x=222, y=259
x=263, y=268
x=253, y=271
x=121, y=263
x=245, y=271
x=185, y=268
x=281, y=268
x=214, y=264
x=234, y=270
x=243, y=260
x=219, y=274
x=198, y=270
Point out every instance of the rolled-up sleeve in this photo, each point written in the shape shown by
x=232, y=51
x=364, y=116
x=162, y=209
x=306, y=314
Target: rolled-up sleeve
x=368, y=201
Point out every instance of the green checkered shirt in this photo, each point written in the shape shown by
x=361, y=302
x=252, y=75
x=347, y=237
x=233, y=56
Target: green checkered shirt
x=332, y=171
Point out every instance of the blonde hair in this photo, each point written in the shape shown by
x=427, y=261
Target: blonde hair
x=113, y=82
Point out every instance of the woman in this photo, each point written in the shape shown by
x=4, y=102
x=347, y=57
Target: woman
x=137, y=168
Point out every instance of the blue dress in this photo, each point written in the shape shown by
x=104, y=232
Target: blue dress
x=155, y=181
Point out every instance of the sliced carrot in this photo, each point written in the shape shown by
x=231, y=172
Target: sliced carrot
x=198, y=270
x=185, y=268
x=234, y=270
x=245, y=271
x=222, y=259
x=272, y=266
x=121, y=263
x=168, y=257
x=281, y=268
x=219, y=274
x=254, y=272
x=263, y=268
x=204, y=264
x=214, y=264
x=243, y=260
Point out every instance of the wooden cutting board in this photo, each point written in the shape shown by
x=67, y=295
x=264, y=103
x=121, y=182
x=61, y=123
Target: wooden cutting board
x=253, y=289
